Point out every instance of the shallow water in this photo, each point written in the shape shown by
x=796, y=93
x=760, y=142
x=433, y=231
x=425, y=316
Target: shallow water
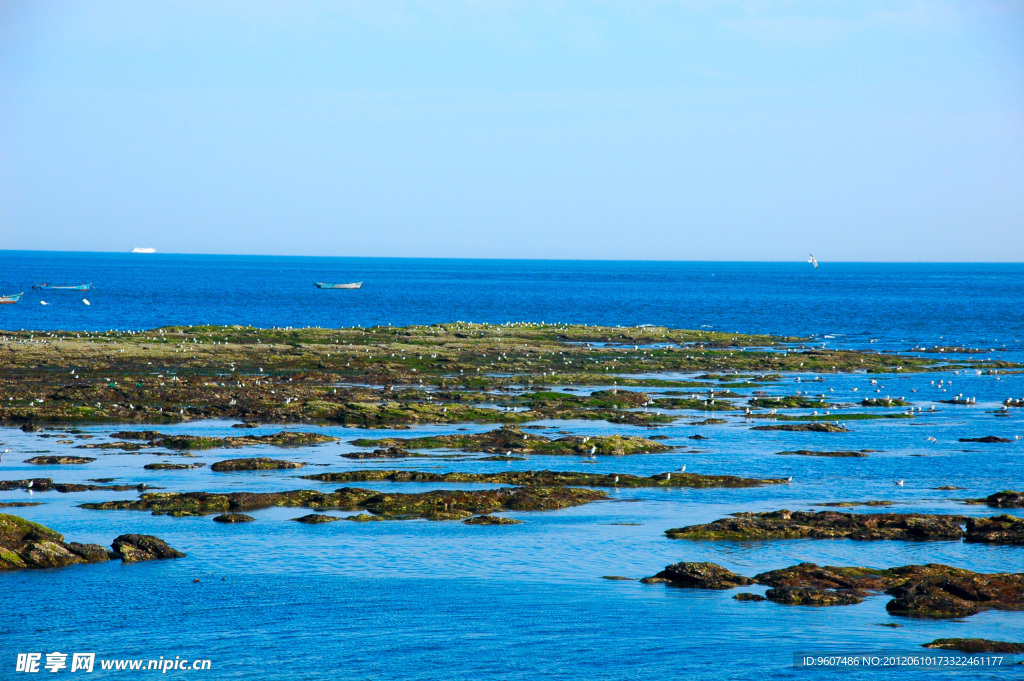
x=428, y=600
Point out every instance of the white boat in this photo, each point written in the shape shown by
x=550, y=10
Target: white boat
x=355, y=284
x=139, y=249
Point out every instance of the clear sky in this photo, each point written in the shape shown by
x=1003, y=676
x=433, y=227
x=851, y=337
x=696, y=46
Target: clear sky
x=640, y=129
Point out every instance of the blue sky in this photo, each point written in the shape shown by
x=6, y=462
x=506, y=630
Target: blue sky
x=687, y=130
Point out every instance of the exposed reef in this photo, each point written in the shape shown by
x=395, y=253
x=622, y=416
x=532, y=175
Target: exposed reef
x=434, y=505
x=808, y=452
x=548, y=478
x=254, y=464
x=58, y=460
x=826, y=525
x=454, y=372
x=147, y=439
x=513, y=440
x=25, y=544
x=975, y=645
x=929, y=591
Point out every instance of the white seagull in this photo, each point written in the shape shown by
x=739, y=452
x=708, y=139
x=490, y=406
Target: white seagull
x=86, y=301
x=899, y=483
x=813, y=260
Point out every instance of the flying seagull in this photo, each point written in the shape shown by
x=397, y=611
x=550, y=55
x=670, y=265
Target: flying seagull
x=813, y=260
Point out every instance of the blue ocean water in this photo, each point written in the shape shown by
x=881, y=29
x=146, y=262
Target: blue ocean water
x=422, y=600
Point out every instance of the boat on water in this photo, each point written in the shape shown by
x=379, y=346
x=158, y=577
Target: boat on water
x=355, y=284
x=51, y=287
x=11, y=299
x=140, y=249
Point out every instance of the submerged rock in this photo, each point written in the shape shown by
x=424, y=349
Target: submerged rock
x=135, y=548
x=988, y=439
x=975, y=645
x=700, y=576
x=808, y=452
x=48, y=485
x=58, y=460
x=254, y=464
x=229, y=518
x=826, y=525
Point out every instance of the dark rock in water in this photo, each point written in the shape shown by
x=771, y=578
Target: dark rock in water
x=987, y=439
x=806, y=428
x=134, y=548
x=934, y=590
x=491, y=520
x=808, y=452
x=234, y=518
x=384, y=453
x=657, y=437
x=696, y=437
x=93, y=553
x=848, y=504
x=57, y=460
x=975, y=645
x=172, y=466
x=746, y=596
x=29, y=427
x=1005, y=499
x=1000, y=529
x=254, y=464
x=956, y=593
x=618, y=578
x=25, y=544
x=151, y=438
x=498, y=457
x=826, y=525
x=316, y=519
x=948, y=488
x=19, y=504
x=809, y=596
x=702, y=576
x=247, y=424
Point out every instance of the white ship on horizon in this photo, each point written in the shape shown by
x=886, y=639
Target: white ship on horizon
x=140, y=249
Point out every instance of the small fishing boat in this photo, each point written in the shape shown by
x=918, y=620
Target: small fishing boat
x=356, y=284
x=11, y=299
x=51, y=287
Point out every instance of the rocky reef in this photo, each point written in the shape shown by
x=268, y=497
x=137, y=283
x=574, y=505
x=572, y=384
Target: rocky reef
x=149, y=439
x=491, y=520
x=434, y=505
x=25, y=544
x=516, y=441
x=548, y=478
x=1000, y=529
x=1005, y=499
x=172, y=466
x=928, y=591
x=806, y=427
x=58, y=460
x=826, y=525
x=253, y=464
x=988, y=439
x=48, y=485
x=975, y=645
x=231, y=518
x=699, y=576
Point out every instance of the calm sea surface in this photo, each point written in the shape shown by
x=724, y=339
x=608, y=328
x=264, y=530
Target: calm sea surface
x=440, y=600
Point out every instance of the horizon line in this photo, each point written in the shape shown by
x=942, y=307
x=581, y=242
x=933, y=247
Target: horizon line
x=498, y=259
